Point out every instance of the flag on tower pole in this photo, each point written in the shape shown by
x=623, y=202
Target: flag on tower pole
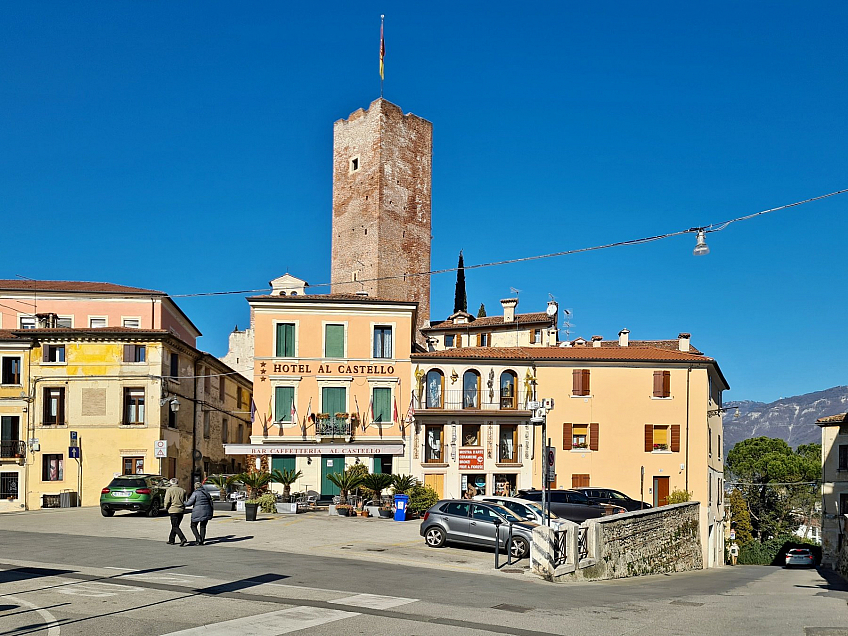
x=382, y=53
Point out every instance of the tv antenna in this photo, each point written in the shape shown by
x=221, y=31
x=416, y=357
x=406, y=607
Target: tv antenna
x=515, y=291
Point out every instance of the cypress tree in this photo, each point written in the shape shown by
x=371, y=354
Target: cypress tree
x=460, y=300
x=481, y=313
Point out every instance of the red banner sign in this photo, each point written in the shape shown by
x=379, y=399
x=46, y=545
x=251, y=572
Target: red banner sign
x=471, y=459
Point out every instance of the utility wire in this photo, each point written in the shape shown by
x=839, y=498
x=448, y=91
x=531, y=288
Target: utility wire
x=712, y=227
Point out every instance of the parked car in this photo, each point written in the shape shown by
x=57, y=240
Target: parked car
x=473, y=522
x=215, y=492
x=570, y=504
x=801, y=557
x=614, y=497
x=527, y=510
x=141, y=493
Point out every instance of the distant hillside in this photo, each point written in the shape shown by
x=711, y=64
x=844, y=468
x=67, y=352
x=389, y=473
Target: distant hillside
x=792, y=418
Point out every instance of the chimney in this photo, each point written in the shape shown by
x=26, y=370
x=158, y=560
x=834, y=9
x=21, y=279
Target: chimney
x=624, y=337
x=596, y=341
x=683, y=341
x=509, y=309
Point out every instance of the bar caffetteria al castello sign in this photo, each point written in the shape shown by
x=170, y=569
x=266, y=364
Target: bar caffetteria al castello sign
x=338, y=449
x=323, y=368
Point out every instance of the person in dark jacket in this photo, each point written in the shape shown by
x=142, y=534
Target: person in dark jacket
x=201, y=512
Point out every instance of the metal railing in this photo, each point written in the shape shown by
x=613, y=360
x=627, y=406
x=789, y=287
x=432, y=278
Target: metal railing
x=560, y=550
x=582, y=544
x=483, y=400
x=504, y=457
x=438, y=455
x=333, y=427
x=12, y=448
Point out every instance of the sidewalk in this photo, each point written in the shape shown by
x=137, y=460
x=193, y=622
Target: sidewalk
x=318, y=533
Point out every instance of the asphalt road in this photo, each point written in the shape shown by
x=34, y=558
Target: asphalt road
x=56, y=583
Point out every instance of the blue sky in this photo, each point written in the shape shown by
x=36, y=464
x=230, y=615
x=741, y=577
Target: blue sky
x=187, y=147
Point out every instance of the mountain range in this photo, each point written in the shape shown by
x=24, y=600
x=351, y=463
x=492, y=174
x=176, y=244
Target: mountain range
x=792, y=418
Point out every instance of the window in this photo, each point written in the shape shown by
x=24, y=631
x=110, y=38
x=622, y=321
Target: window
x=537, y=336
x=171, y=467
x=470, y=434
x=580, y=380
x=334, y=341
x=508, y=445
x=207, y=424
x=8, y=485
x=52, y=468
x=225, y=426
x=719, y=446
x=131, y=323
x=222, y=388
x=580, y=436
x=456, y=508
x=473, y=484
x=135, y=353
x=484, y=340
x=661, y=438
x=481, y=513
x=435, y=388
x=662, y=384
x=175, y=365
x=354, y=164
x=333, y=400
x=283, y=399
x=27, y=322
x=240, y=436
x=207, y=382
x=433, y=446
x=133, y=406
x=239, y=397
x=172, y=417
x=53, y=353
x=843, y=461
x=96, y=323
x=449, y=340
x=65, y=322
x=11, y=371
x=471, y=390
x=382, y=401
x=285, y=340
x=54, y=406
x=508, y=392
x=132, y=465
x=10, y=440
x=382, y=342
x=579, y=481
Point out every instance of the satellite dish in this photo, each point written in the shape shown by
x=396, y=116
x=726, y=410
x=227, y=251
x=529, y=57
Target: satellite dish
x=551, y=310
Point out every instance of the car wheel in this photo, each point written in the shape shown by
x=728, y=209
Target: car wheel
x=106, y=512
x=153, y=511
x=435, y=537
x=519, y=548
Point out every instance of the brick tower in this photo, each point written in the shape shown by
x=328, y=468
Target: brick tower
x=381, y=205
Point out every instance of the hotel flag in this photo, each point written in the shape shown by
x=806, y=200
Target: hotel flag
x=308, y=415
x=394, y=412
x=358, y=414
x=382, y=53
x=293, y=414
x=252, y=411
x=410, y=412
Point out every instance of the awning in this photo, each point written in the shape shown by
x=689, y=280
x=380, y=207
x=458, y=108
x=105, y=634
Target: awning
x=314, y=449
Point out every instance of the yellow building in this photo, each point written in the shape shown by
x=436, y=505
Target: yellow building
x=834, y=430
x=332, y=388
x=14, y=378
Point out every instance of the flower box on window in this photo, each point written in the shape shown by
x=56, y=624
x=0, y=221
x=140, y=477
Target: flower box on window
x=580, y=445
x=663, y=447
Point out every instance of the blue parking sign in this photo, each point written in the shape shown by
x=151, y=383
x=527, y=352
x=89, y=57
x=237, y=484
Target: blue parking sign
x=74, y=452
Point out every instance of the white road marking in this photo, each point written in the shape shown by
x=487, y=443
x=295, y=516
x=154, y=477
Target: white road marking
x=374, y=601
x=153, y=574
x=270, y=624
x=50, y=621
x=96, y=589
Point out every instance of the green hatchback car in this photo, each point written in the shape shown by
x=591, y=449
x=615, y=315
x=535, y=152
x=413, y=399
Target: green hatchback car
x=142, y=493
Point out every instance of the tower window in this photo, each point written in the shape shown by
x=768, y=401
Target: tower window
x=354, y=164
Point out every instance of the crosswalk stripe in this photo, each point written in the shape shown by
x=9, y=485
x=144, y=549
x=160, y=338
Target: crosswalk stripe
x=373, y=601
x=269, y=624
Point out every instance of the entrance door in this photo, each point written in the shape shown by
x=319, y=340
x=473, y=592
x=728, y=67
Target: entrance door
x=660, y=491
x=330, y=464
x=436, y=482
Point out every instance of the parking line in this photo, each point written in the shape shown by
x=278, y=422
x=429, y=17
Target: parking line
x=269, y=624
x=374, y=601
x=50, y=621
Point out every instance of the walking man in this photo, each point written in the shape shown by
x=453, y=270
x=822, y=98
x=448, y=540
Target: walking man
x=175, y=505
x=201, y=512
x=734, y=553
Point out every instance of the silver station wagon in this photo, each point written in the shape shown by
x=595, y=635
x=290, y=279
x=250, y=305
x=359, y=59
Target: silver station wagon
x=476, y=523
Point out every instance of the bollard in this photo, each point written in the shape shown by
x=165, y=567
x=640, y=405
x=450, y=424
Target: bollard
x=497, y=523
x=509, y=545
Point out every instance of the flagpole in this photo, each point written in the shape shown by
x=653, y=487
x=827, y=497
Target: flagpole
x=382, y=54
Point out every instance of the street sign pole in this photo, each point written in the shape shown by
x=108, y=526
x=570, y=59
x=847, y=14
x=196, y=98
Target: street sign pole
x=548, y=483
x=545, y=516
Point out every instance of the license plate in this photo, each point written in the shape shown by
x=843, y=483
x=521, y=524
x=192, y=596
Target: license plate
x=121, y=493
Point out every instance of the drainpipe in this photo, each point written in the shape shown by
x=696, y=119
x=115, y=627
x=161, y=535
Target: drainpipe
x=688, y=376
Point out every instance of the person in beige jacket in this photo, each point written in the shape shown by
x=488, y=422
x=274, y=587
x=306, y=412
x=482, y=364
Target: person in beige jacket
x=175, y=498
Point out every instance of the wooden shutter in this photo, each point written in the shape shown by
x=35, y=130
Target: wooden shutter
x=334, y=341
x=675, y=438
x=585, y=383
x=649, y=438
x=45, y=416
x=658, y=384
x=45, y=353
x=283, y=397
x=60, y=410
x=577, y=382
x=580, y=480
x=382, y=404
x=129, y=354
x=666, y=383
x=593, y=437
x=566, y=437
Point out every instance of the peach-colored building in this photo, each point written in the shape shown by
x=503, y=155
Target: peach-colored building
x=332, y=383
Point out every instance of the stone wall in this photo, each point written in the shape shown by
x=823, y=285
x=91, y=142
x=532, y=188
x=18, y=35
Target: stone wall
x=654, y=541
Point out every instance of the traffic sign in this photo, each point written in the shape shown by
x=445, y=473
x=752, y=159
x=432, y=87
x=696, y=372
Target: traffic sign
x=74, y=441
x=74, y=452
x=551, y=462
x=533, y=404
x=160, y=448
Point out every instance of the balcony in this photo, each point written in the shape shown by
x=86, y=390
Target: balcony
x=12, y=449
x=459, y=400
x=333, y=427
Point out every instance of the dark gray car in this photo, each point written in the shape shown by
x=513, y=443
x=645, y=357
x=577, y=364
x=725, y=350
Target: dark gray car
x=474, y=522
x=614, y=497
x=569, y=504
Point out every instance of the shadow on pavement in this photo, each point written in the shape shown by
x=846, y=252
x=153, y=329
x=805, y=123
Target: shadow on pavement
x=241, y=584
x=229, y=538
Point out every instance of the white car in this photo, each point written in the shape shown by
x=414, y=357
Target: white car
x=800, y=556
x=529, y=510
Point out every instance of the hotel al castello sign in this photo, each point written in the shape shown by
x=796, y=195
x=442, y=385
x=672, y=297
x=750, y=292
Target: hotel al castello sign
x=328, y=369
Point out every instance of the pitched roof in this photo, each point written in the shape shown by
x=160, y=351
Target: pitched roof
x=81, y=331
x=73, y=286
x=6, y=334
x=599, y=354
x=490, y=321
x=658, y=344
x=833, y=420
x=327, y=297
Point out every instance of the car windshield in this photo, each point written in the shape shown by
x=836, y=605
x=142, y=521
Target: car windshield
x=127, y=483
x=506, y=512
x=578, y=497
x=519, y=509
x=539, y=510
x=616, y=495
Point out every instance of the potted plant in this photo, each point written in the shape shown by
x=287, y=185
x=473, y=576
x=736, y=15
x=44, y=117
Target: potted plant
x=223, y=482
x=376, y=483
x=255, y=483
x=346, y=482
x=286, y=477
x=344, y=510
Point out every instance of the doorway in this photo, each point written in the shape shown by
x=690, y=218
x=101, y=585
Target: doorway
x=436, y=481
x=330, y=464
x=660, y=491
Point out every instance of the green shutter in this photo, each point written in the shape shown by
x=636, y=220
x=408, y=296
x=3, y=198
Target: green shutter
x=334, y=341
x=283, y=396
x=333, y=400
x=382, y=405
x=285, y=340
x=283, y=462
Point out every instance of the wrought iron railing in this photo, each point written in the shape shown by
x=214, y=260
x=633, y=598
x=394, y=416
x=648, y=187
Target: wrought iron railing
x=484, y=400
x=582, y=544
x=12, y=448
x=435, y=454
x=333, y=427
x=560, y=543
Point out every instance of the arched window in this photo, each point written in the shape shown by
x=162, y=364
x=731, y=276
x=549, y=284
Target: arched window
x=471, y=390
x=434, y=389
x=509, y=397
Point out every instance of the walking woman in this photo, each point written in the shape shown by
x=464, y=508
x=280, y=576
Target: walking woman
x=201, y=512
x=175, y=506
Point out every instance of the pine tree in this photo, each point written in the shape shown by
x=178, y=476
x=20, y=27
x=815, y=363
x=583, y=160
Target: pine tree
x=481, y=313
x=460, y=300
